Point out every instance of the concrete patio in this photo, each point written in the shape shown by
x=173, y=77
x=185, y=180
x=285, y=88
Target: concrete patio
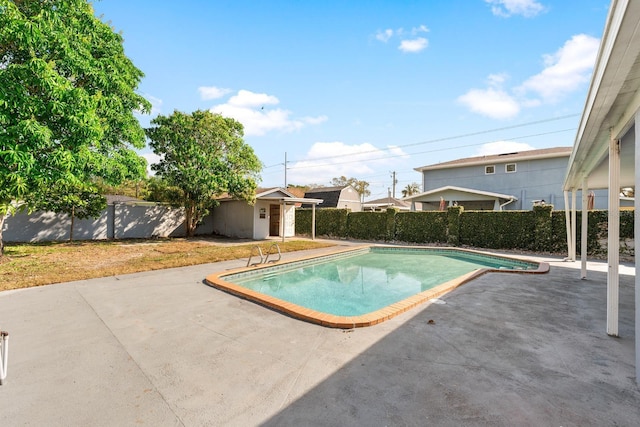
x=163, y=349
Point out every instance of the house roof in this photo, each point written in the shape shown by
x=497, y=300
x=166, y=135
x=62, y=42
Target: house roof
x=543, y=153
x=326, y=189
x=612, y=102
x=329, y=195
x=275, y=194
x=117, y=198
x=296, y=191
x=450, y=190
x=272, y=191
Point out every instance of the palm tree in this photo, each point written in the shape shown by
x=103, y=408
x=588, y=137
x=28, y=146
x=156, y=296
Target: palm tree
x=411, y=189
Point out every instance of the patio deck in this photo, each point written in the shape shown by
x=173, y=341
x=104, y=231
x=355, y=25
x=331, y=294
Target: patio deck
x=163, y=349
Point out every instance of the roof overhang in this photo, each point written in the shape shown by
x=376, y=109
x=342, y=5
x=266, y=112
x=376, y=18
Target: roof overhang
x=493, y=159
x=451, y=192
x=612, y=102
x=292, y=200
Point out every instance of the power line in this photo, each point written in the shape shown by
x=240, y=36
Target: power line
x=420, y=152
x=447, y=138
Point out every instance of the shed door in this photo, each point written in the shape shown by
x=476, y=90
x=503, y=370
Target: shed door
x=274, y=220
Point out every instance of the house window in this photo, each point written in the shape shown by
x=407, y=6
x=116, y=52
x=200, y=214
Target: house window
x=510, y=167
x=489, y=170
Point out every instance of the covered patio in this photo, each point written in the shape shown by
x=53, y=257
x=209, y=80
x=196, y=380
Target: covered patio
x=441, y=198
x=604, y=153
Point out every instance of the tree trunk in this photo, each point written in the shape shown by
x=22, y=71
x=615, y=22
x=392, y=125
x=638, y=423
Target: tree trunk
x=73, y=217
x=2, y=218
x=189, y=222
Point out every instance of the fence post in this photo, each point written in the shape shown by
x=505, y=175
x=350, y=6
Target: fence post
x=453, y=224
x=543, y=229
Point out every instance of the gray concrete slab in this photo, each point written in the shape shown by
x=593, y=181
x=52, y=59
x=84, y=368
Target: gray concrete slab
x=163, y=349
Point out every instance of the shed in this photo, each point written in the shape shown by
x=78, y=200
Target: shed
x=272, y=215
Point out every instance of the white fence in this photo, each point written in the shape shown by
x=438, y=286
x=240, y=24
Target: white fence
x=117, y=221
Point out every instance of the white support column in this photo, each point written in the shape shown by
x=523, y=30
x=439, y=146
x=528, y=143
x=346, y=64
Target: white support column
x=567, y=215
x=613, y=242
x=283, y=212
x=636, y=234
x=584, y=225
x=574, y=233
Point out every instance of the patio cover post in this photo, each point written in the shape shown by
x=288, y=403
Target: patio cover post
x=567, y=215
x=613, y=243
x=574, y=233
x=283, y=212
x=636, y=235
x=583, y=230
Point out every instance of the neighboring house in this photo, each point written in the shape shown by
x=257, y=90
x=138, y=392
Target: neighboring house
x=513, y=181
x=272, y=214
x=385, y=203
x=345, y=197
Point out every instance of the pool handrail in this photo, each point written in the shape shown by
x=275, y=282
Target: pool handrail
x=251, y=256
x=266, y=260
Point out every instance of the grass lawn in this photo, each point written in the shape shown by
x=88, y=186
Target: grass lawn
x=26, y=265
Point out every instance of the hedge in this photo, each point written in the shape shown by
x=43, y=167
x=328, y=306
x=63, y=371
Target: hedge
x=495, y=230
x=421, y=227
x=540, y=229
x=367, y=225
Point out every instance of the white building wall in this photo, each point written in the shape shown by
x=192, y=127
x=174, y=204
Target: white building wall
x=233, y=219
x=289, y=221
x=261, y=220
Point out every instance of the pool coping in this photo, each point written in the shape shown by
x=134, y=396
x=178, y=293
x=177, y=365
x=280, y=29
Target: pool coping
x=369, y=319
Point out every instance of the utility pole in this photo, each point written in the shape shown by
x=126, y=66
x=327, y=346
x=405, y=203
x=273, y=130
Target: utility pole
x=395, y=181
x=285, y=170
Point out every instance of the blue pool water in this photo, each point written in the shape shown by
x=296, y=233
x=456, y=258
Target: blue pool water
x=364, y=281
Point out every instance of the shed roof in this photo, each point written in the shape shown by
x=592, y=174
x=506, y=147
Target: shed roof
x=329, y=195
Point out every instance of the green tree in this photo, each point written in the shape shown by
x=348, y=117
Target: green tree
x=204, y=155
x=411, y=189
x=159, y=191
x=76, y=202
x=67, y=97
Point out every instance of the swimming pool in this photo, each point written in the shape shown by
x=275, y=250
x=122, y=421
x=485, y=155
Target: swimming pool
x=364, y=286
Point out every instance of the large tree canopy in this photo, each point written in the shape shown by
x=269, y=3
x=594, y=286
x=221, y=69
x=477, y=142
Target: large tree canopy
x=67, y=97
x=204, y=155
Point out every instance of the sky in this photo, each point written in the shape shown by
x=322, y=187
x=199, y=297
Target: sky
x=364, y=89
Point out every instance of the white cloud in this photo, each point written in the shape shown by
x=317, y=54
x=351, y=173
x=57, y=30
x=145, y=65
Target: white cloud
x=151, y=159
x=385, y=35
x=507, y=8
x=251, y=109
x=327, y=160
x=492, y=102
x=414, y=45
x=407, y=45
x=503, y=147
x=212, y=92
x=315, y=120
x=247, y=99
x=566, y=70
x=497, y=80
x=420, y=29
